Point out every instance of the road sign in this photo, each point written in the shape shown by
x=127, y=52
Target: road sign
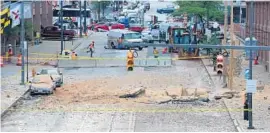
x=247, y=75
x=253, y=43
x=251, y=86
x=25, y=45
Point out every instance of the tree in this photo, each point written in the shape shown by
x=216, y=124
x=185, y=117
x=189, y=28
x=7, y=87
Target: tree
x=100, y=5
x=13, y=33
x=208, y=9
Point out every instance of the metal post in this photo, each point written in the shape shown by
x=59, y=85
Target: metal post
x=232, y=51
x=62, y=28
x=251, y=22
x=240, y=14
x=85, y=14
x=225, y=34
x=80, y=4
x=22, y=34
x=27, y=78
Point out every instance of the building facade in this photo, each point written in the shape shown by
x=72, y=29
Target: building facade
x=42, y=14
x=261, y=28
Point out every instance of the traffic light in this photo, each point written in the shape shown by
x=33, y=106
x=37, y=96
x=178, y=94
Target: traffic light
x=219, y=64
x=130, y=61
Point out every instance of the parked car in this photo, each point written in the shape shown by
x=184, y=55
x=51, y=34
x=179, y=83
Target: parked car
x=118, y=26
x=55, y=32
x=42, y=84
x=55, y=73
x=165, y=10
x=146, y=36
x=136, y=27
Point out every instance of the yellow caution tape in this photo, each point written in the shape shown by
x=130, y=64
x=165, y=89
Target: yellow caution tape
x=123, y=58
x=143, y=110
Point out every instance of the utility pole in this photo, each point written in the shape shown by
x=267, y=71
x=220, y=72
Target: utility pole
x=225, y=35
x=232, y=51
x=22, y=34
x=85, y=14
x=80, y=18
x=62, y=28
x=249, y=95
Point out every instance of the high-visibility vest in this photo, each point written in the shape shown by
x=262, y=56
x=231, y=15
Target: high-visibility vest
x=155, y=52
x=91, y=45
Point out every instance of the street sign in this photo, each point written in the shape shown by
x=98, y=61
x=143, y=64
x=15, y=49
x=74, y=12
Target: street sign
x=251, y=86
x=25, y=45
x=247, y=75
x=253, y=43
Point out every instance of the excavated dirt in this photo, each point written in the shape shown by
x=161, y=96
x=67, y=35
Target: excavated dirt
x=107, y=90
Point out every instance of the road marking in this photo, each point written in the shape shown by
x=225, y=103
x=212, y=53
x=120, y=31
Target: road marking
x=132, y=120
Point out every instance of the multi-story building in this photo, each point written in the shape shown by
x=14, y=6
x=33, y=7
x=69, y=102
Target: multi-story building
x=261, y=28
x=42, y=12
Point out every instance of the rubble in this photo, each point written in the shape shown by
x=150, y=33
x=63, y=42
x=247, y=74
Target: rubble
x=133, y=93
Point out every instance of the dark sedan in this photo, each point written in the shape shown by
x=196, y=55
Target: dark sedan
x=165, y=10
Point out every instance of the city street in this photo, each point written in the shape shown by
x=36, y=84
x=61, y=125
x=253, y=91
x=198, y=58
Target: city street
x=170, y=95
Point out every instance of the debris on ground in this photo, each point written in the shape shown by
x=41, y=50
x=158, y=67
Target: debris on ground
x=133, y=93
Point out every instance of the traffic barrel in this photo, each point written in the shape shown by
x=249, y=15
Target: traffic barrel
x=19, y=60
x=1, y=61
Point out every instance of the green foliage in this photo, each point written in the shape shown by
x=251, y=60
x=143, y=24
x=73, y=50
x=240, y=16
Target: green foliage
x=200, y=8
x=14, y=32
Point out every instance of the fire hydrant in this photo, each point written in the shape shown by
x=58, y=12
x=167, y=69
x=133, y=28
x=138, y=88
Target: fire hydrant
x=34, y=72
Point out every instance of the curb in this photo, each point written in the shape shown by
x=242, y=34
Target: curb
x=235, y=122
x=14, y=103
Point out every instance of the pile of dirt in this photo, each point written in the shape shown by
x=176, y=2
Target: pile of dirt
x=108, y=90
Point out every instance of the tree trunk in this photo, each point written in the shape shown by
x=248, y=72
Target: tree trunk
x=207, y=17
x=103, y=8
x=98, y=11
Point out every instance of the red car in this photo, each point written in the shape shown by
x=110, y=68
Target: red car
x=136, y=28
x=102, y=27
x=99, y=27
x=118, y=26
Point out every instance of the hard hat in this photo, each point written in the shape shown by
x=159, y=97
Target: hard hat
x=9, y=45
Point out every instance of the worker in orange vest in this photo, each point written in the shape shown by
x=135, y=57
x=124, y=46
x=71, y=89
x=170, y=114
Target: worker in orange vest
x=10, y=51
x=91, y=48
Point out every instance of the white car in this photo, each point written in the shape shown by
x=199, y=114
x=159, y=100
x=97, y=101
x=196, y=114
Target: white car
x=147, y=36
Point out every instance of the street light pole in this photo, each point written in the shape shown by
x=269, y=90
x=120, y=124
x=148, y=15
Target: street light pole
x=225, y=35
x=232, y=51
x=80, y=4
x=249, y=95
x=62, y=28
x=22, y=36
x=85, y=14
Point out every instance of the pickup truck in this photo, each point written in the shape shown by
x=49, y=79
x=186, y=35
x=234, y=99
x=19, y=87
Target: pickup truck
x=55, y=32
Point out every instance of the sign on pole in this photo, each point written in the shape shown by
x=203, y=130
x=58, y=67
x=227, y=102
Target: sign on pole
x=25, y=45
x=254, y=52
x=251, y=86
x=247, y=75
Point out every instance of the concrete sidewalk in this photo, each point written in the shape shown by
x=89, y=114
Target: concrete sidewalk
x=11, y=90
x=261, y=114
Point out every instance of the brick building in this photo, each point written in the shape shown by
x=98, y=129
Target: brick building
x=261, y=28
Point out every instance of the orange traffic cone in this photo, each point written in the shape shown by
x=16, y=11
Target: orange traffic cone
x=256, y=61
x=19, y=60
x=1, y=61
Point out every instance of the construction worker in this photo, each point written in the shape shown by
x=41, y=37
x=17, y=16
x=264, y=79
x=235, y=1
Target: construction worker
x=155, y=52
x=91, y=48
